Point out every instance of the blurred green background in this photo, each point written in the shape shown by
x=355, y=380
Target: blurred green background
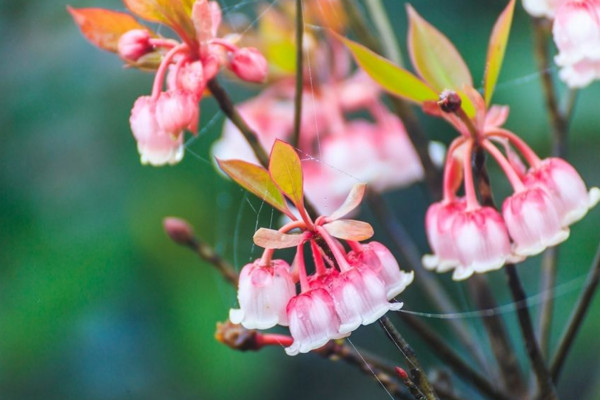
x=97, y=303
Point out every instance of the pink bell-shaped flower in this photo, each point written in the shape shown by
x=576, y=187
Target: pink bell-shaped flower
x=249, y=64
x=156, y=146
x=263, y=294
x=378, y=258
x=189, y=78
x=567, y=190
x=438, y=225
x=481, y=241
x=360, y=298
x=176, y=111
x=134, y=44
x=313, y=321
x=541, y=8
x=532, y=221
x=580, y=73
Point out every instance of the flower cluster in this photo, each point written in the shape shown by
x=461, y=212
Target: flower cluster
x=548, y=197
x=576, y=31
x=352, y=289
x=339, y=151
x=159, y=120
x=346, y=289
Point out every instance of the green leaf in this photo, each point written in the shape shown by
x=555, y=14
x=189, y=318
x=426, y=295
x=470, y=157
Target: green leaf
x=286, y=171
x=272, y=239
x=496, y=50
x=392, y=78
x=256, y=180
x=103, y=27
x=434, y=56
x=349, y=229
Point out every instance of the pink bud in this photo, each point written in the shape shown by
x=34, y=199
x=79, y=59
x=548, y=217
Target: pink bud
x=313, y=321
x=176, y=111
x=565, y=187
x=532, y=221
x=249, y=65
x=178, y=230
x=263, y=294
x=134, y=44
x=156, y=147
x=580, y=73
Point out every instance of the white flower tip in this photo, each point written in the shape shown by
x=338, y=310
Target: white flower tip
x=430, y=261
x=293, y=350
x=395, y=306
x=593, y=196
x=236, y=316
x=560, y=237
x=460, y=274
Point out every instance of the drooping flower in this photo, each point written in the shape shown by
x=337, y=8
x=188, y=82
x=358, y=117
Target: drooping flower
x=541, y=8
x=263, y=294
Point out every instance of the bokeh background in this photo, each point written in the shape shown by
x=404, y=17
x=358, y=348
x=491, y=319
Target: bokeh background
x=97, y=303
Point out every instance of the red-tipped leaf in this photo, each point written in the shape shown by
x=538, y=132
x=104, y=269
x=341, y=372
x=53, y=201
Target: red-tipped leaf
x=256, y=180
x=103, y=27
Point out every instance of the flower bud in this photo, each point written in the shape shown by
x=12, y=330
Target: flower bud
x=178, y=230
x=134, y=44
x=249, y=65
x=176, y=111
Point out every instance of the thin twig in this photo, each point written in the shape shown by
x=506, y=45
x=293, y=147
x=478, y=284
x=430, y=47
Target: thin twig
x=299, y=73
x=385, y=31
x=409, y=250
x=445, y=353
x=548, y=282
x=418, y=374
x=234, y=116
x=358, y=358
x=576, y=318
x=484, y=298
x=546, y=387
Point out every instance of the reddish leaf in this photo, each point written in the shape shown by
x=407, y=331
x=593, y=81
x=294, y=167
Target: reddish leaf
x=434, y=56
x=174, y=13
x=349, y=229
x=496, y=49
x=256, y=180
x=103, y=27
x=392, y=78
x=272, y=239
x=352, y=201
x=286, y=171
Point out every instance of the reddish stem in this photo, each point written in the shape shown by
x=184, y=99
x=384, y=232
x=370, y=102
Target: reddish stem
x=162, y=69
x=272, y=339
x=337, y=253
x=470, y=194
x=304, y=286
x=510, y=172
x=519, y=143
x=448, y=168
x=319, y=264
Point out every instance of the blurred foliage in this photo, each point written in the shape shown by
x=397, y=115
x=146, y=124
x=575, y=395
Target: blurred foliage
x=96, y=303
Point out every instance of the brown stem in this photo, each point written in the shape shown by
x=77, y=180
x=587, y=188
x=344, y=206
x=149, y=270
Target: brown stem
x=409, y=250
x=484, y=298
x=445, y=353
x=299, y=73
x=417, y=372
x=548, y=282
x=357, y=358
x=545, y=385
x=577, y=316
